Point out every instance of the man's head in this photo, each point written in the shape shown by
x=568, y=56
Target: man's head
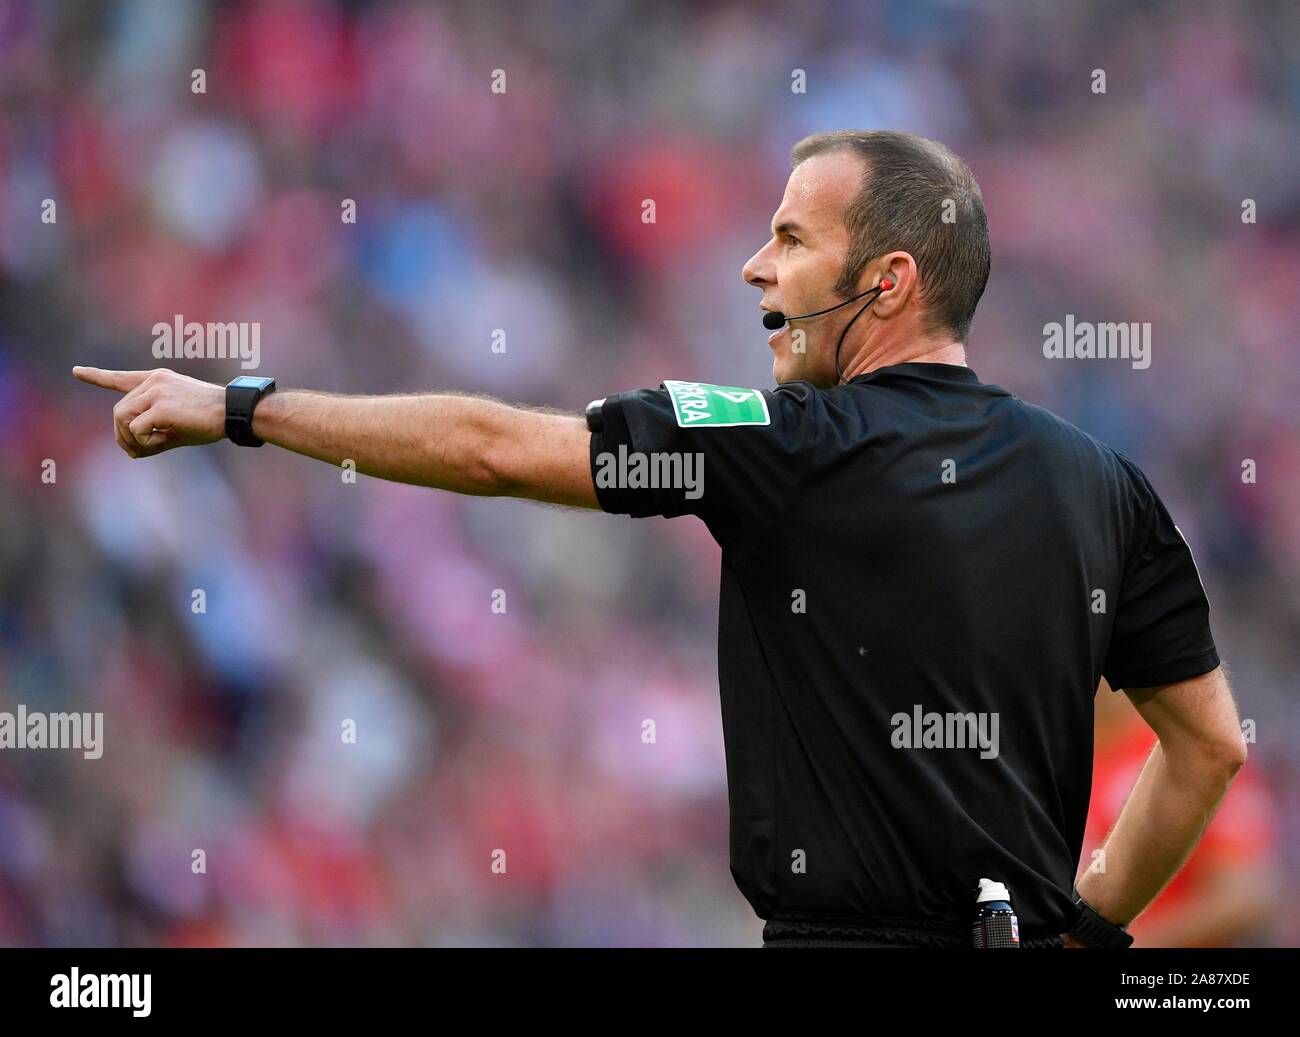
x=861, y=206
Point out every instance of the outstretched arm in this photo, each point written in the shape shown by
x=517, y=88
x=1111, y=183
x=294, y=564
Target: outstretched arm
x=466, y=444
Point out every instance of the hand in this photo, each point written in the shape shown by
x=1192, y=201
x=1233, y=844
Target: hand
x=161, y=409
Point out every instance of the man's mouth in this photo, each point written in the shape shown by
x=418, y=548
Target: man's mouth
x=771, y=339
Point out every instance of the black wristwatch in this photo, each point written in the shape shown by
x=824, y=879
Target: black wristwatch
x=242, y=394
x=1091, y=930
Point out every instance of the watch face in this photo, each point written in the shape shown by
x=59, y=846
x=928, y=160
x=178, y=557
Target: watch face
x=246, y=381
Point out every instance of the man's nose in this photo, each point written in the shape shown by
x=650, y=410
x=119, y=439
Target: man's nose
x=759, y=271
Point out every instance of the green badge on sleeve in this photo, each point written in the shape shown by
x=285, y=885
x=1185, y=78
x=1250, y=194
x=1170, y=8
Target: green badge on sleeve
x=719, y=406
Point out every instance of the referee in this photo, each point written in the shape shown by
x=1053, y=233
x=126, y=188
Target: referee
x=924, y=578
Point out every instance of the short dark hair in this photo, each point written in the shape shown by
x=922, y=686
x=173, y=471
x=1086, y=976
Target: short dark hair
x=906, y=183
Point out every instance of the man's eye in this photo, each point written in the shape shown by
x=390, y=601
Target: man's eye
x=795, y=241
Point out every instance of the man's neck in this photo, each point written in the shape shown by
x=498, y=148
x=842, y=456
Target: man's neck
x=928, y=351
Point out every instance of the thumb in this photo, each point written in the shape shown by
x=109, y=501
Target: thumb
x=122, y=381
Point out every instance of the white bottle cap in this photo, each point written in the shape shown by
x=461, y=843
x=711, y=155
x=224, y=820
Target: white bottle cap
x=990, y=890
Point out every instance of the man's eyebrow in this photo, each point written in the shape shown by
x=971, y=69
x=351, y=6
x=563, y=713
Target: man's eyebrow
x=787, y=227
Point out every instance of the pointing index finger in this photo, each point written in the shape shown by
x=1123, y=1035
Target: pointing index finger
x=122, y=381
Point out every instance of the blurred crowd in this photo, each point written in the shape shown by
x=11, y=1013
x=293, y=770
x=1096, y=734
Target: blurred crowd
x=498, y=790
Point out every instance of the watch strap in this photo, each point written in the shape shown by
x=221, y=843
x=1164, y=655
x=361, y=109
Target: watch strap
x=241, y=400
x=1092, y=930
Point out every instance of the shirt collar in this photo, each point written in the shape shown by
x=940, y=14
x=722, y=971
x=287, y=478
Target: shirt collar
x=947, y=372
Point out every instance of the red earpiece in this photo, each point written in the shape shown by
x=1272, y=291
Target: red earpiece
x=886, y=284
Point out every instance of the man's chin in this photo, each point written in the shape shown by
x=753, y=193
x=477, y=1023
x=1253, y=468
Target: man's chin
x=783, y=370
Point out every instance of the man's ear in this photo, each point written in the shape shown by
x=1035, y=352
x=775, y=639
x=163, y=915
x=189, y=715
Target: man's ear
x=899, y=268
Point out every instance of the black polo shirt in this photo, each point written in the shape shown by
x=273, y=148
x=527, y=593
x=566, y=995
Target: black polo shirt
x=923, y=580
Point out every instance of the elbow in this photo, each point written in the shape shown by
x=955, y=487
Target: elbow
x=490, y=475
x=1224, y=757
x=1207, y=762
x=1234, y=754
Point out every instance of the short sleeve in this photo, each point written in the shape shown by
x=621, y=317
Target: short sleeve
x=727, y=454
x=1162, y=621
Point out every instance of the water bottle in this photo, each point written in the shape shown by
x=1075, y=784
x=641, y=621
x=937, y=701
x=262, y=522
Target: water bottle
x=996, y=924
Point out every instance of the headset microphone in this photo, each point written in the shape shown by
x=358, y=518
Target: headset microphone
x=775, y=319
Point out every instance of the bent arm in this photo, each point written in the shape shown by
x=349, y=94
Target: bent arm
x=1199, y=749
